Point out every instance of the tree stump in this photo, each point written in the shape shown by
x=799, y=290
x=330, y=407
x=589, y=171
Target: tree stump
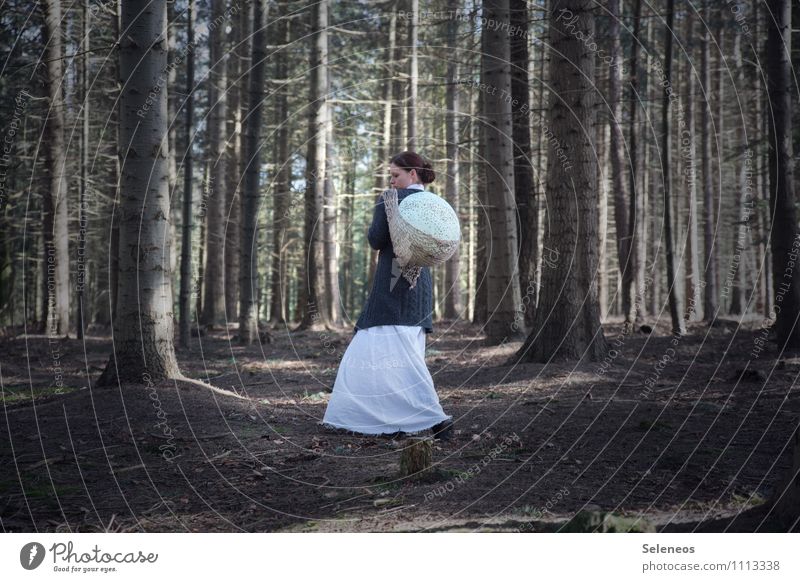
x=416, y=456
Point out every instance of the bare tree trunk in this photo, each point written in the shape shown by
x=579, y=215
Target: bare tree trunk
x=689, y=155
x=398, y=86
x=282, y=181
x=618, y=167
x=746, y=202
x=637, y=217
x=473, y=173
x=785, y=502
x=413, y=76
x=143, y=328
x=214, y=300
x=316, y=313
x=524, y=185
x=248, y=271
x=711, y=301
x=113, y=283
x=349, y=265
x=480, y=312
x=603, y=153
x=537, y=213
x=333, y=295
x=184, y=299
x=82, y=263
x=237, y=75
x=674, y=289
x=502, y=274
x=172, y=128
x=761, y=193
x=567, y=324
x=785, y=237
x=56, y=248
x=453, y=300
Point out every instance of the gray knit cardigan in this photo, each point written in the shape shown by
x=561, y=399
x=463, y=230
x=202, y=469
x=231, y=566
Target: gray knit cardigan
x=391, y=300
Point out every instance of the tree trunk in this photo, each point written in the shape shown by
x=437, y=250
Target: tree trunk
x=603, y=139
x=453, y=301
x=184, y=299
x=82, y=263
x=637, y=217
x=143, y=328
x=214, y=299
x=784, y=239
x=567, y=324
x=746, y=201
x=398, y=86
x=524, y=185
x=618, y=166
x=172, y=128
x=283, y=166
x=316, y=314
x=333, y=295
x=56, y=248
x=689, y=155
x=503, y=294
x=675, y=290
x=758, y=125
x=237, y=75
x=413, y=76
x=248, y=271
x=711, y=301
x=537, y=214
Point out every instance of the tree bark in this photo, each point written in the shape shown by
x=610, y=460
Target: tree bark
x=763, y=264
x=248, y=271
x=56, y=247
x=282, y=181
x=746, y=201
x=524, y=185
x=237, y=75
x=143, y=328
x=637, y=217
x=214, y=299
x=331, y=251
x=785, y=238
x=675, y=290
x=413, y=77
x=710, y=299
x=503, y=293
x=694, y=287
x=82, y=263
x=618, y=166
x=398, y=138
x=453, y=300
x=316, y=314
x=567, y=324
x=185, y=295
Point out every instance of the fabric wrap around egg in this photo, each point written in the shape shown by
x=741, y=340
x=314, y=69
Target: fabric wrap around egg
x=424, y=230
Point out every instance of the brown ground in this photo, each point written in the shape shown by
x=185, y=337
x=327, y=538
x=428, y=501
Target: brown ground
x=703, y=450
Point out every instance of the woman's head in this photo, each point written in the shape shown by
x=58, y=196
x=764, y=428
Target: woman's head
x=408, y=168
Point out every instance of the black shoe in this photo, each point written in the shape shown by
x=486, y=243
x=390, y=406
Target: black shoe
x=443, y=431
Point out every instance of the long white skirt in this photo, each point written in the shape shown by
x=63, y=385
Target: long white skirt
x=383, y=384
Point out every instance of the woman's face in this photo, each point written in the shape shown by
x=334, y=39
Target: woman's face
x=401, y=178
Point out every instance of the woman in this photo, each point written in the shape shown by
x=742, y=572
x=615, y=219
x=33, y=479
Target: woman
x=383, y=385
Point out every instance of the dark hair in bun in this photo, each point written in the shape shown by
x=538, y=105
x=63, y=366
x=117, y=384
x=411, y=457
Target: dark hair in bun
x=413, y=161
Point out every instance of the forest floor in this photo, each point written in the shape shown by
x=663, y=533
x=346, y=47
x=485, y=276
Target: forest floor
x=697, y=443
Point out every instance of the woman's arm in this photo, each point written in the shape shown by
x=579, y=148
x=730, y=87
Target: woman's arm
x=378, y=234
